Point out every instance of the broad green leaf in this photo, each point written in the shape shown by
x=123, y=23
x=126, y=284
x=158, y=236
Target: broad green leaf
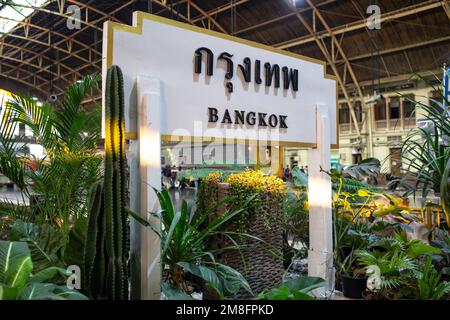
x=283, y=293
x=174, y=294
x=417, y=248
x=205, y=273
x=45, y=243
x=169, y=235
x=305, y=284
x=299, y=295
x=231, y=279
x=300, y=178
x=15, y=264
x=50, y=291
x=38, y=291
x=48, y=274
x=366, y=168
x=69, y=294
x=8, y=292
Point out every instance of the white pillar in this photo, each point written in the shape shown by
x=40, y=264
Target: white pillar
x=149, y=143
x=320, y=255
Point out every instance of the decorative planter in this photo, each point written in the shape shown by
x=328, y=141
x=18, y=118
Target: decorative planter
x=353, y=288
x=256, y=261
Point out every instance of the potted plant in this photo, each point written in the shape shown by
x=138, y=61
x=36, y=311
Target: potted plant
x=349, y=236
x=353, y=277
x=395, y=270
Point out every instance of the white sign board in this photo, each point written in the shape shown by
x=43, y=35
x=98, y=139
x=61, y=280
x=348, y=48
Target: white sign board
x=214, y=85
x=184, y=81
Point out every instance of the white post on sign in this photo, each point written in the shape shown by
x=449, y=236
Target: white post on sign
x=149, y=139
x=320, y=255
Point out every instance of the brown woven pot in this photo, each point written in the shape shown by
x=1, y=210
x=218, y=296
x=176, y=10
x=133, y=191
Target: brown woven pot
x=259, y=262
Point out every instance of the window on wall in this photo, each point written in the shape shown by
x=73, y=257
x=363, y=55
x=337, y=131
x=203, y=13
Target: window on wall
x=380, y=110
x=358, y=110
x=408, y=107
x=344, y=114
x=394, y=108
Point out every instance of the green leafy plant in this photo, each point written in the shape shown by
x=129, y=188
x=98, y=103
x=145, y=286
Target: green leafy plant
x=184, y=236
x=56, y=186
x=350, y=183
x=45, y=242
x=396, y=260
x=295, y=289
x=425, y=153
x=18, y=283
x=107, y=243
x=429, y=283
x=443, y=261
x=366, y=168
x=296, y=217
x=300, y=178
x=349, y=232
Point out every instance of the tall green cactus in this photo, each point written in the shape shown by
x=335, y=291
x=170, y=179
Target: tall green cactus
x=107, y=243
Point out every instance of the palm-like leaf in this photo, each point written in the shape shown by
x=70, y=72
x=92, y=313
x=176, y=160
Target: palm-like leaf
x=69, y=136
x=10, y=163
x=184, y=235
x=425, y=152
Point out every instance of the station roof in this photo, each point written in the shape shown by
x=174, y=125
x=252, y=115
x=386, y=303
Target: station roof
x=40, y=54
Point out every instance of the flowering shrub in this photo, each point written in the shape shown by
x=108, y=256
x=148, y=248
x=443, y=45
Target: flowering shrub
x=258, y=182
x=214, y=177
x=266, y=193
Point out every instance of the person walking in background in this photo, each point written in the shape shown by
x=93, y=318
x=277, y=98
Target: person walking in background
x=286, y=173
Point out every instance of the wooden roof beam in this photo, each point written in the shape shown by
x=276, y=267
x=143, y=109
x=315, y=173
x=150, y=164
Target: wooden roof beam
x=21, y=81
x=398, y=49
x=28, y=74
x=361, y=24
x=84, y=28
x=361, y=14
x=40, y=68
x=163, y=4
x=446, y=6
x=398, y=78
x=57, y=13
x=88, y=7
x=278, y=19
x=219, y=10
x=207, y=16
x=327, y=55
x=49, y=45
x=339, y=47
x=65, y=38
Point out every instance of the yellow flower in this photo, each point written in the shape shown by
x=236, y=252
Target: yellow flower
x=363, y=193
x=213, y=177
x=257, y=181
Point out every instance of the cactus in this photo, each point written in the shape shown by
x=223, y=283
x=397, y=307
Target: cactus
x=107, y=243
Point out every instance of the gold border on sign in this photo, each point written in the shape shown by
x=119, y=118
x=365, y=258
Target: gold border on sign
x=136, y=28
